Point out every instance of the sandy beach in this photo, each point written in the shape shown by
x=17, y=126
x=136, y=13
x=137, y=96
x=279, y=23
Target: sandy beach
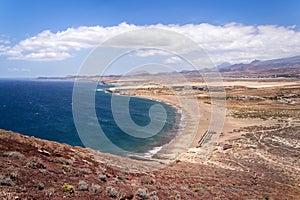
x=185, y=146
x=187, y=136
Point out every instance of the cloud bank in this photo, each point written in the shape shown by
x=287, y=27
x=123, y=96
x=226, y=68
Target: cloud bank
x=232, y=42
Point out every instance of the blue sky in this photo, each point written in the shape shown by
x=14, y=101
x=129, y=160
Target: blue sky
x=21, y=20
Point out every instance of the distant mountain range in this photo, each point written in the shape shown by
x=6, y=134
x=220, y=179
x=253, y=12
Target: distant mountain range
x=277, y=65
x=283, y=67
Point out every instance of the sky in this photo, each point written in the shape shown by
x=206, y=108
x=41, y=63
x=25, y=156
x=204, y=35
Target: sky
x=54, y=37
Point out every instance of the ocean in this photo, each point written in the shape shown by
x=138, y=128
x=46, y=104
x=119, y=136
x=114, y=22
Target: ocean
x=43, y=109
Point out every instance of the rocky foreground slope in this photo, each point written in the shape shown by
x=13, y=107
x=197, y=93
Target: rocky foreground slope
x=31, y=168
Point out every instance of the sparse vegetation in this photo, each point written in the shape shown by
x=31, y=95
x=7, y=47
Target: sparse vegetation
x=40, y=186
x=265, y=114
x=153, y=196
x=14, y=175
x=6, y=181
x=35, y=163
x=14, y=154
x=112, y=192
x=102, y=177
x=66, y=168
x=265, y=197
x=120, y=176
x=147, y=180
x=85, y=170
x=82, y=185
x=95, y=188
x=68, y=188
x=142, y=193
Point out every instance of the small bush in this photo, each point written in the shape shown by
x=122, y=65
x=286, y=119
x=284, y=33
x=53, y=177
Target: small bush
x=68, y=188
x=82, y=185
x=85, y=171
x=13, y=154
x=60, y=160
x=35, y=163
x=14, y=175
x=112, y=192
x=43, y=171
x=102, y=177
x=120, y=176
x=147, y=180
x=6, y=181
x=40, y=186
x=95, y=188
x=66, y=168
x=153, y=193
x=142, y=193
x=154, y=196
x=265, y=197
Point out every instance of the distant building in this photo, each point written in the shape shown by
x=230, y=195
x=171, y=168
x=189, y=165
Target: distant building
x=202, y=88
x=177, y=88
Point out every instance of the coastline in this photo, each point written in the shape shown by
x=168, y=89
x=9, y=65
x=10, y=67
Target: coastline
x=162, y=144
x=185, y=138
x=177, y=129
x=184, y=145
x=189, y=127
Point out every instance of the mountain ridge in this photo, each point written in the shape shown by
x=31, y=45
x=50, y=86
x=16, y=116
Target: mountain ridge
x=287, y=63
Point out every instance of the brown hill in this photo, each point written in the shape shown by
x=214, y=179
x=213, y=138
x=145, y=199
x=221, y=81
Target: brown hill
x=32, y=168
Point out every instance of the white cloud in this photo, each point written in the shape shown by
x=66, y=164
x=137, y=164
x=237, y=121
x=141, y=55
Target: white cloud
x=229, y=43
x=3, y=41
x=149, y=52
x=14, y=69
x=173, y=60
x=41, y=56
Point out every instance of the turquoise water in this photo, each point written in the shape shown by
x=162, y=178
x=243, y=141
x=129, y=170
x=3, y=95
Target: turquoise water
x=44, y=109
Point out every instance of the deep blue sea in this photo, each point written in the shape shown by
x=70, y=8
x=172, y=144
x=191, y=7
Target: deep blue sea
x=43, y=108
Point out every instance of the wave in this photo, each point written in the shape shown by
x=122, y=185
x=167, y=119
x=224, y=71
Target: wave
x=152, y=152
x=178, y=128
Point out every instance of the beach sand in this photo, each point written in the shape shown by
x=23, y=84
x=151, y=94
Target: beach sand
x=196, y=121
x=197, y=117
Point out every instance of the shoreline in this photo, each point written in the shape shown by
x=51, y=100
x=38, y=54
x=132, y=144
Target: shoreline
x=172, y=134
x=162, y=144
x=184, y=138
x=196, y=124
